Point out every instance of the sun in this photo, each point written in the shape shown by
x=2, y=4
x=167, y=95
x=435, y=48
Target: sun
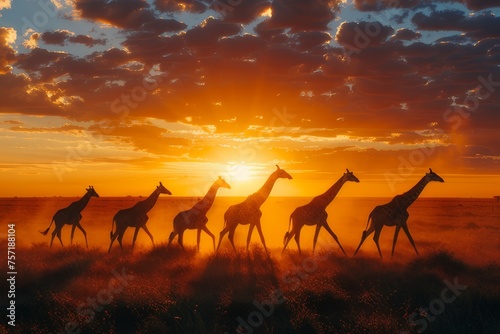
x=241, y=172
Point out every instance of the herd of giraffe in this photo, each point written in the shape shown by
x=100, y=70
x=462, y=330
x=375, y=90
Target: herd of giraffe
x=248, y=212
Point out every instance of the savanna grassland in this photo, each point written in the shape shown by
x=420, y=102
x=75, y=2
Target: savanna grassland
x=452, y=287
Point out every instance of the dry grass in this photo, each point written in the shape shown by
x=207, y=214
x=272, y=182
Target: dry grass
x=176, y=292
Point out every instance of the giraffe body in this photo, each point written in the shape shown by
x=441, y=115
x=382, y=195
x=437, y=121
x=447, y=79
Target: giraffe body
x=314, y=213
x=395, y=214
x=248, y=212
x=196, y=217
x=71, y=215
x=136, y=217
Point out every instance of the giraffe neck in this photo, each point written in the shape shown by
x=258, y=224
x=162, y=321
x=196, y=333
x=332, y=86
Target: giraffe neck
x=149, y=202
x=260, y=196
x=206, y=202
x=411, y=195
x=82, y=202
x=327, y=197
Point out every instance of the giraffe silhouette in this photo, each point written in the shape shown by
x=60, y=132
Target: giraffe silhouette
x=248, y=212
x=135, y=216
x=196, y=217
x=71, y=215
x=395, y=213
x=314, y=213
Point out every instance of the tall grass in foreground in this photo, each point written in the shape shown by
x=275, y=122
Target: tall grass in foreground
x=169, y=291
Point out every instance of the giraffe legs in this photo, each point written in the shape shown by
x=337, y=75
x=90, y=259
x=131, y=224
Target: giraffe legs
x=297, y=240
x=145, y=228
x=120, y=237
x=83, y=231
x=72, y=233
x=207, y=231
x=259, y=229
x=180, y=240
x=198, y=235
x=375, y=238
x=135, y=237
x=329, y=230
x=222, y=234
x=120, y=231
x=316, y=233
x=171, y=238
x=396, y=232
x=363, y=237
x=231, y=238
x=57, y=231
x=405, y=228
x=249, y=237
x=288, y=237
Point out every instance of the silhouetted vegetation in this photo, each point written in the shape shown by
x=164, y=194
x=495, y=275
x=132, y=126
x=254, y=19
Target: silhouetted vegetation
x=170, y=291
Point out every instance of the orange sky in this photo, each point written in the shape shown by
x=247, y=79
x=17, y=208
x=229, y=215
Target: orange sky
x=122, y=96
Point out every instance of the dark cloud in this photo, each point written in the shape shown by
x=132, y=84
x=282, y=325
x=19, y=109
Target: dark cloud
x=86, y=40
x=299, y=15
x=379, y=5
x=60, y=37
x=478, y=26
x=359, y=35
x=170, y=6
x=241, y=11
x=128, y=14
x=209, y=32
x=57, y=37
x=7, y=52
x=406, y=34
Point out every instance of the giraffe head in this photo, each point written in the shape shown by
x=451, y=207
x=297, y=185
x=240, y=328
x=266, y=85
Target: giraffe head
x=431, y=176
x=349, y=176
x=222, y=183
x=92, y=192
x=281, y=174
x=162, y=190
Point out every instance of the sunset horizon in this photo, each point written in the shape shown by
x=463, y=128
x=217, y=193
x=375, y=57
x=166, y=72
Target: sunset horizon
x=124, y=95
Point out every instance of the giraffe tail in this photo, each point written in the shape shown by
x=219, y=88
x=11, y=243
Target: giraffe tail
x=48, y=228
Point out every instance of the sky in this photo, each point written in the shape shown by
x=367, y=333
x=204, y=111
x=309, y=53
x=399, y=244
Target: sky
x=123, y=94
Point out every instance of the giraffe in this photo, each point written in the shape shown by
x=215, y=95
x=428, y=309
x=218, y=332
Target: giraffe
x=135, y=216
x=248, y=211
x=395, y=213
x=71, y=215
x=314, y=213
x=196, y=217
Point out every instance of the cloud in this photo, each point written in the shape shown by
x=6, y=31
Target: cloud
x=67, y=128
x=7, y=52
x=86, y=40
x=298, y=15
x=362, y=34
x=127, y=14
x=379, y=5
x=478, y=26
x=5, y=4
x=57, y=37
x=192, y=6
x=406, y=35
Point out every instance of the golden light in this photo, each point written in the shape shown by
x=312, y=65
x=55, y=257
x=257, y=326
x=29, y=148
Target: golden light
x=267, y=12
x=241, y=172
